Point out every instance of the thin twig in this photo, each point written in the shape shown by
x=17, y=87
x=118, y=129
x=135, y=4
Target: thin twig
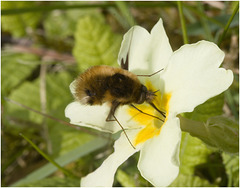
x=44, y=53
x=43, y=101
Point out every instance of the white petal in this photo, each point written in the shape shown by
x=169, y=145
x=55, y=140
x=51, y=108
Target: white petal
x=104, y=175
x=148, y=53
x=135, y=42
x=95, y=117
x=91, y=116
x=160, y=50
x=193, y=76
x=159, y=156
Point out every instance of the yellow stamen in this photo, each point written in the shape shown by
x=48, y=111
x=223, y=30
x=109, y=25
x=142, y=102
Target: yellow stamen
x=152, y=125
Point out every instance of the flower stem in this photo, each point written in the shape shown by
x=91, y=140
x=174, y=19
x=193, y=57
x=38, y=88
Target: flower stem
x=184, y=30
x=228, y=24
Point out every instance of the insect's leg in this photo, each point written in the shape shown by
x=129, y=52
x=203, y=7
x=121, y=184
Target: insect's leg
x=114, y=106
x=111, y=114
x=146, y=113
x=123, y=131
x=149, y=75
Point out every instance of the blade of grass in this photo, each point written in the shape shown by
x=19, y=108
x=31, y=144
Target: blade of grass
x=184, y=30
x=124, y=9
x=228, y=24
x=63, y=160
x=67, y=173
x=204, y=22
x=119, y=18
x=190, y=16
x=200, y=14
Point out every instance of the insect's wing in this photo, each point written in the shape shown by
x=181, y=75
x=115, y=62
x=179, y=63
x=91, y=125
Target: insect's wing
x=123, y=58
x=125, y=63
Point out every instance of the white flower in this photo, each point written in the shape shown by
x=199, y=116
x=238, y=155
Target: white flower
x=191, y=76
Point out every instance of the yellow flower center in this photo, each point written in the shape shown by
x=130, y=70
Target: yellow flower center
x=152, y=125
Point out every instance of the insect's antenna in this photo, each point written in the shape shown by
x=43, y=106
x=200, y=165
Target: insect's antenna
x=149, y=75
x=147, y=113
x=123, y=131
x=156, y=91
x=161, y=112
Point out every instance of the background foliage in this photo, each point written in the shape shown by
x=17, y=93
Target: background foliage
x=45, y=45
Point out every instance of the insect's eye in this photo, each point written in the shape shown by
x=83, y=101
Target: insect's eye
x=144, y=89
x=89, y=93
x=143, y=94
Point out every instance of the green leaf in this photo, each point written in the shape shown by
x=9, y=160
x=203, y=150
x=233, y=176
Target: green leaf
x=232, y=169
x=58, y=25
x=15, y=68
x=27, y=94
x=212, y=107
x=124, y=179
x=218, y=132
x=193, y=152
x=95, y=43
x=17, y=25
x=62, y=24
x=223, y=134
x=184, y=180
x=53, y=182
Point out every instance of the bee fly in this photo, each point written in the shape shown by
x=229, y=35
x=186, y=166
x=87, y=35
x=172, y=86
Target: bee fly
x=116, y=86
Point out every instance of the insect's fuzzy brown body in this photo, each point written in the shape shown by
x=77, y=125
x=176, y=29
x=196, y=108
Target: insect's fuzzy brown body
x=116, y=86
x=100, y=84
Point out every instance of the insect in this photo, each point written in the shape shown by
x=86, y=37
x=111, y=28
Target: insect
x=116, y=86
